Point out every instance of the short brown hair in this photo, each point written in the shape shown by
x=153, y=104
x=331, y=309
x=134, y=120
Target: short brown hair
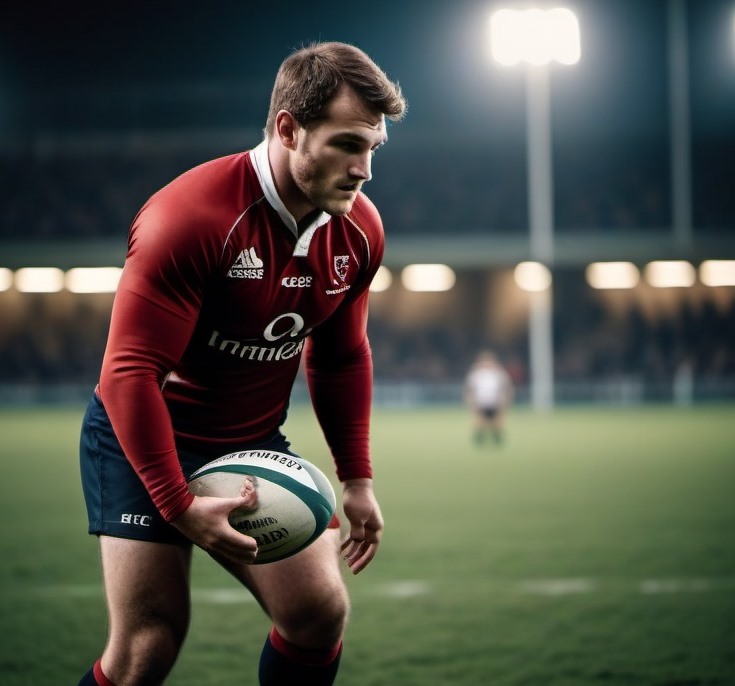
x=309, y=78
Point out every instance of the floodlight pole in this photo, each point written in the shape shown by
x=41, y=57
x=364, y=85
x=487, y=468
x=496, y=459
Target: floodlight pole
x=541, y=232
x=538, y=153
x=681, y=186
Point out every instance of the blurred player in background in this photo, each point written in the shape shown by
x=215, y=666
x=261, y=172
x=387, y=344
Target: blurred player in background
x=488, y=392
x=233, y=270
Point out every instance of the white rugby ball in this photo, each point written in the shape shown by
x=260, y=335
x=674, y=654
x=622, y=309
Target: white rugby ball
x=296, y=501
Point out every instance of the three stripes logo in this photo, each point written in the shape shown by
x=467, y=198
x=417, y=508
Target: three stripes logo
x=247, y=266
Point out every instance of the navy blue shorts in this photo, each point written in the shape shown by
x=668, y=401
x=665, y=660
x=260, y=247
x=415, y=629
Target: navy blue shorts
x=489, y=412
x=117, y=502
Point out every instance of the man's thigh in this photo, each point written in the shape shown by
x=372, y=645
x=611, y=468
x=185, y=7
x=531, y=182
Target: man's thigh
x=310, y=577
x=145, y=582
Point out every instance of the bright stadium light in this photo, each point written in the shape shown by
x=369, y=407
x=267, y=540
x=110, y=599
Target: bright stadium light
x=39, y=280
x=6, y=279
x=92, y=279
x=382, y=280
x=670, y=274
x=532, y=276
x=717, y=272
x=535, y=36
x=608, y=275
x=428, y=277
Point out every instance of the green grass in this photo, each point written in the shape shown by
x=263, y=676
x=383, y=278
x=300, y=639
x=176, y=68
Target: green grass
x=597, y=546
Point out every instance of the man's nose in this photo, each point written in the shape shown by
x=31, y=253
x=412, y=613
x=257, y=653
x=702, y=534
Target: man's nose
x=362, y=168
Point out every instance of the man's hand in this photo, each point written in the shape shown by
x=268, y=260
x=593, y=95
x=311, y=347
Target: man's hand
x=205, y=522
x=366, y=523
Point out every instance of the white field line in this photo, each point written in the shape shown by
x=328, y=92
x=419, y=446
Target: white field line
x=414, y=588
x=556, y=587
x=213, y=596
x=572, y=586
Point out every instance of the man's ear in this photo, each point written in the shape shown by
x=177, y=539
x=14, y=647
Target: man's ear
x=287, y=129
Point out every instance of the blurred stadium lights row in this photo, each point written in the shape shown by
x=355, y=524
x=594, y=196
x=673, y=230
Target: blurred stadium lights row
x=529, y=276
x=53, y=279
x=535, y=276
x=661, y=274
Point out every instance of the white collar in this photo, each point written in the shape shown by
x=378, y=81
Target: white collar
x=259, y=156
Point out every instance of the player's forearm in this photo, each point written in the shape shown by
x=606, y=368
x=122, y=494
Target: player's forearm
x=342, y=399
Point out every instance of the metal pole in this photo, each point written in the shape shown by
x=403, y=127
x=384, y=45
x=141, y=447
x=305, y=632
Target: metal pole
x=541, y=216
x=541, y=201
x=541, y=350
x=681, y=187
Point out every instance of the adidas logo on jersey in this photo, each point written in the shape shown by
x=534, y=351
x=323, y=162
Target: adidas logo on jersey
x=247, y=266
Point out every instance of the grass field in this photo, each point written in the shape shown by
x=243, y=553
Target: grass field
x=597, y=546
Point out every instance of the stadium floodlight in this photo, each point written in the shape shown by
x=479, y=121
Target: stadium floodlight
x=609, y=275
x=535, y=36
x=382, y=280
x=532, y=276
x=92, y=279
x=428, y=277
x=717, y=272
x=670, y=274
x=6, y=278
x=39, y=279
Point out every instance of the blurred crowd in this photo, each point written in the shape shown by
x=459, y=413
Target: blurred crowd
x=89, y=194
x=79, y=196
x=593, y=344
x=431, y=190
x=60, y=338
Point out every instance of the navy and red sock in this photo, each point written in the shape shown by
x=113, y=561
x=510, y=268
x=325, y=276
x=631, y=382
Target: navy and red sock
x=282, y=663
x=95, y=677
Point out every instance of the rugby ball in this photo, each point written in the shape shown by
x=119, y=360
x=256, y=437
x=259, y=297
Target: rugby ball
x=296, y=501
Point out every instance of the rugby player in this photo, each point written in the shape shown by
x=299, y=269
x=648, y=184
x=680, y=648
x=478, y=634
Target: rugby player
x=234, y=270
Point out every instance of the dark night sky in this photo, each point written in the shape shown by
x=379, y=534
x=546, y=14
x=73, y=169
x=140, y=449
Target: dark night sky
x=78, y=65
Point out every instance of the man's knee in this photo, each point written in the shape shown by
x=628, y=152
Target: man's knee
x=145, y=656
x=316, y=622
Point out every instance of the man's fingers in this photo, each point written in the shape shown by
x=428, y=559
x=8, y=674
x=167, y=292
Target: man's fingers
x=358, y=554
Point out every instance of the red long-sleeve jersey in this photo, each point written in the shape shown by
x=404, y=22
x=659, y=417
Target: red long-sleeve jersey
x=218, y=299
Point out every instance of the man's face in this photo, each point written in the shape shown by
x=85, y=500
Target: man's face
x=333, y=156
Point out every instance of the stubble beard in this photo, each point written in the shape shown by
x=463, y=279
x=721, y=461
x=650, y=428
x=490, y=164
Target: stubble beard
x=312, y=185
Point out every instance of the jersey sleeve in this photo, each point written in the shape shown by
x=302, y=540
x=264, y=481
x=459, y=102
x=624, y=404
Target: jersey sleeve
x=153, y=317
x=340, y=370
